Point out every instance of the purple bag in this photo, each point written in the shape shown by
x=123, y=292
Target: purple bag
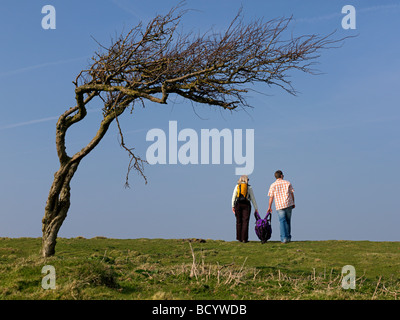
x=263, y=227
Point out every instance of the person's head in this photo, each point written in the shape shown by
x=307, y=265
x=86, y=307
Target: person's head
x=278, y=174
x=243, y=179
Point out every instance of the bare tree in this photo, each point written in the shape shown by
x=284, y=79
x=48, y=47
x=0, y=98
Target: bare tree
x=154, y=61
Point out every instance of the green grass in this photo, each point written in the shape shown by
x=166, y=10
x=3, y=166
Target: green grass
x=159, y=269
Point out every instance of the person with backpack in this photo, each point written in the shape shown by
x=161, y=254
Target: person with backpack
x=242, y=198
x=283, y=193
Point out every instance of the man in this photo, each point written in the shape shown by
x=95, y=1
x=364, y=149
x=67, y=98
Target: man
x=282, y=192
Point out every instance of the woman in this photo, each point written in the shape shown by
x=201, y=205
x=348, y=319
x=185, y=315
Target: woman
x=242, y=198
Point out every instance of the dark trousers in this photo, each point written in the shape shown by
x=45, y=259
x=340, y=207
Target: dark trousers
x=242, y=213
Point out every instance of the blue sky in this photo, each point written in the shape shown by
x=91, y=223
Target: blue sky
x=337, y=141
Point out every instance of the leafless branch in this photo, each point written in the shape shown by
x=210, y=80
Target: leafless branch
x=152, y=62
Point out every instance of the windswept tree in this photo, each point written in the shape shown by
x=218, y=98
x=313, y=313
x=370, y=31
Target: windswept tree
x=155, y=61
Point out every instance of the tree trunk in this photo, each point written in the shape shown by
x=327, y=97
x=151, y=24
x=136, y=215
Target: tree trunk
x=58, y=201
x=57, y=206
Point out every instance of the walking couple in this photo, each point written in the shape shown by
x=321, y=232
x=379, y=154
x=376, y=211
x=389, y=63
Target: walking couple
x=243, y=196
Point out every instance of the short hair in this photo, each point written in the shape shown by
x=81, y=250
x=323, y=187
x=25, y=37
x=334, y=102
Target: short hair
x=278, y=174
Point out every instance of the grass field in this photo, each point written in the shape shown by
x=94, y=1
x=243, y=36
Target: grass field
x=101, y=268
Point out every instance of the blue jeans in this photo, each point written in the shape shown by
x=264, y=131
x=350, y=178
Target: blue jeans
x=284, y=221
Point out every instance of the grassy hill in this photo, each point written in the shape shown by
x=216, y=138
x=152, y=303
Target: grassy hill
x=101, y=268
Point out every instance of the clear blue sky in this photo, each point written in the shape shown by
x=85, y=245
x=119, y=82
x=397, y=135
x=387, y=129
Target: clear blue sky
x=337, y=141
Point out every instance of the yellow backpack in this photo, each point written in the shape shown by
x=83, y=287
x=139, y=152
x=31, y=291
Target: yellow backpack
x=241, y=195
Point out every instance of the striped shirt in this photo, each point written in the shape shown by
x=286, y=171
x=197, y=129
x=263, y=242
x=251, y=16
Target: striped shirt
x=282, y=191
